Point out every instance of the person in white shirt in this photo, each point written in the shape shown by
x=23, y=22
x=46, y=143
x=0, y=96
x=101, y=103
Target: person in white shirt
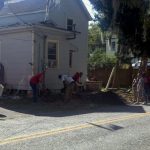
x=68, y=83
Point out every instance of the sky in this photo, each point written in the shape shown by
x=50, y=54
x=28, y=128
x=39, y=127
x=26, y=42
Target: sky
x=89, y=7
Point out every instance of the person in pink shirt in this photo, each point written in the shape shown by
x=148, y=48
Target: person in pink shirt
x=77, y=76
x=78, y=84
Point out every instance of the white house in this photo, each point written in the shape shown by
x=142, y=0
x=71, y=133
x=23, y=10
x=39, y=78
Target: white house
x=41, y=32
x=112, y=45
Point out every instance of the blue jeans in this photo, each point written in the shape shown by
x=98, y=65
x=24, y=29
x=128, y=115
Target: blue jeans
x=34, y=91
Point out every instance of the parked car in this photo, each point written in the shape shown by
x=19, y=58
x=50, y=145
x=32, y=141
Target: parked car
x=136, y=65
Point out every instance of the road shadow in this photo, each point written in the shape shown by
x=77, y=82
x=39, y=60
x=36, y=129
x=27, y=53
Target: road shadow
x=110, y=127
x=84, y=103
x=2, y=116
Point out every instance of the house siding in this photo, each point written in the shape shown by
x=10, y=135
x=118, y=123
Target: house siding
x=80, y=44
x=16, y=53
x=31, y=48
x=110, y=49
x=70, y=9
x=79, y=57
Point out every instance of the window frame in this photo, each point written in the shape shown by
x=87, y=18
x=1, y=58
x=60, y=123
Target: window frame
x=113, y=46
x=70, y=25
x=57, y=53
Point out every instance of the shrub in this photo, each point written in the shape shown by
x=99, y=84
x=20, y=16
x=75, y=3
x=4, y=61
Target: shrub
x=99, y=59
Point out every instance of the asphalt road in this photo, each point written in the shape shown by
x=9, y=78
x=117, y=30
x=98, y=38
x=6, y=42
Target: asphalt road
x=93, y=128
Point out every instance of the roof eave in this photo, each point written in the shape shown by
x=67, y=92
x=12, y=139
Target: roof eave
x=63, y=30
x=9, y=30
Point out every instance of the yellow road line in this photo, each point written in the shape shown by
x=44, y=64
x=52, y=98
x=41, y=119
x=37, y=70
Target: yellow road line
x=70, y=128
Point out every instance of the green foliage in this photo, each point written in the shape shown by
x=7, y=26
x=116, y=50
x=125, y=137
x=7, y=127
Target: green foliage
x=130, y=21
x=105, y=12
x=94, y=37
x=131, y=18
x=99, y=58
x=132, y=3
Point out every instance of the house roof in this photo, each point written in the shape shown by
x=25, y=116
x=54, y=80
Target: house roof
x=22, y=6
x=16, y=12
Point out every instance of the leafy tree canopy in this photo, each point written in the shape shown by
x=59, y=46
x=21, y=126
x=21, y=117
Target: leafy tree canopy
x=98, y=58
x=95, y=38
x=105, y=12
x=132, y=21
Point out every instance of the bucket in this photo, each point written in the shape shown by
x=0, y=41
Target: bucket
x=1, y=89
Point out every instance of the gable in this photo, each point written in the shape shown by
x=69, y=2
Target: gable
x=18, y=12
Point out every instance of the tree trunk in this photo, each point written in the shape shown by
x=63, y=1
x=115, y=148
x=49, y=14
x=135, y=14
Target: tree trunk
x=143, y=65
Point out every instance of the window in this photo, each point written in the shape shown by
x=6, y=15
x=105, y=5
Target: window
x=69, y=24
x=52, y=54
x=113, y=46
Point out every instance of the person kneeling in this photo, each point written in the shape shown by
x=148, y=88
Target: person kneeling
x=68, y=83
